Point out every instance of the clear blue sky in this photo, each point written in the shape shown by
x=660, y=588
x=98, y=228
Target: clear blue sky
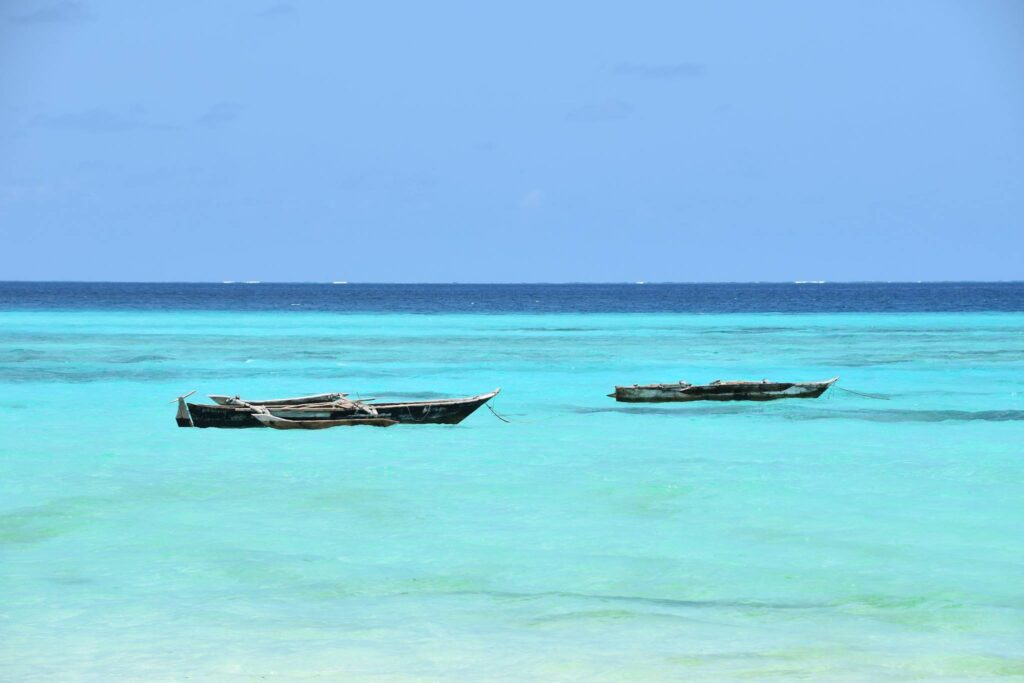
x=540, y=141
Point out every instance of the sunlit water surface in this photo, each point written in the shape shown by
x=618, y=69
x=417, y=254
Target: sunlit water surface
x=845, y=538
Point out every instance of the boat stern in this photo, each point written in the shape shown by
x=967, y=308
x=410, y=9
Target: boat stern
x=183, y=417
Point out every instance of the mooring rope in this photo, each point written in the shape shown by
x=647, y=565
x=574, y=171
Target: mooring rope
x=522, y=422
x=495, y=412
x=851, y=391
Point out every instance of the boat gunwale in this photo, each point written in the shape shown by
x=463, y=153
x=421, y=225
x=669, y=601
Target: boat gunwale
x=442, y=401
x=736, y=383
x=224, y=400
x=479, y=398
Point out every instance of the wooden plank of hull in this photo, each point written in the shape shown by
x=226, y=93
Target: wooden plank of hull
x=297, y=400
x=726, y=391
x=280, y=423
x=444, y=411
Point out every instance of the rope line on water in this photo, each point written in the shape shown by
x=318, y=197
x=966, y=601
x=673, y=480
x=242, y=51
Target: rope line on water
x=851, y=391
x=495, y=412
x=521, y=422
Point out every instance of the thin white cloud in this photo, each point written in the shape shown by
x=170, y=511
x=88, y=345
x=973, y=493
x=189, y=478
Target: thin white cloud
x=220, y=115
x=664, y=72
x=65, y=12
x=280, y=9
x=532, y=199
x=89, y=121
x=608, y=110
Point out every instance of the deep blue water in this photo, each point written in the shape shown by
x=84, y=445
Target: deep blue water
x=868, y=297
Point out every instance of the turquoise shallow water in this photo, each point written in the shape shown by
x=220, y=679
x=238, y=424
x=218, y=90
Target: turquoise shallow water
x=847, y=538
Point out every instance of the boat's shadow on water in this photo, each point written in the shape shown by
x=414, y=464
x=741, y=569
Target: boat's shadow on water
x=865, y=414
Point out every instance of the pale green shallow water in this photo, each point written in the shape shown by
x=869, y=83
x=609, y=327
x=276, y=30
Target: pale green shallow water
x=840, y=539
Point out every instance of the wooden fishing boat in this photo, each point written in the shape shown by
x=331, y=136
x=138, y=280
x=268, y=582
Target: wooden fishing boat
x=239, y=413
x=719, y=390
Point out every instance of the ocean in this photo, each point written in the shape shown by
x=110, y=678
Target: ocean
x=868, y=536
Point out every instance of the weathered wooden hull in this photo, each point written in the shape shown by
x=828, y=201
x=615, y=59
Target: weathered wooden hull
x=297, y=400
x=279, y=423
x=726, y=391
x=443, y=411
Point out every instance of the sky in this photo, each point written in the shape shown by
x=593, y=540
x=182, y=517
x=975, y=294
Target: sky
x=512, y=142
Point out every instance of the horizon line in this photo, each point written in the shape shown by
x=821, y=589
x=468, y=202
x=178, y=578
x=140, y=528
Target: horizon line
x=505, y=283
